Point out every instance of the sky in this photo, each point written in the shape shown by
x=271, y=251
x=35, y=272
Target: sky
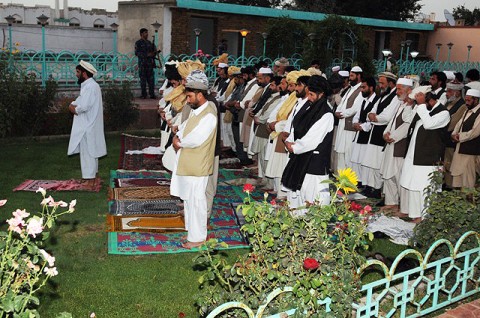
x=429, y=6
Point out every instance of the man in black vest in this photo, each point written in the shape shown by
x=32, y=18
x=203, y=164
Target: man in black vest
x=456, y=107
x=362, y=127
x=467, y=137
x=380, y=115
x=309, y=145
x=438, y=81
x=425, y=151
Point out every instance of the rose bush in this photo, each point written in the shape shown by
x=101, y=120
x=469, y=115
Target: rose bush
x=25, y=265
x=316, y=254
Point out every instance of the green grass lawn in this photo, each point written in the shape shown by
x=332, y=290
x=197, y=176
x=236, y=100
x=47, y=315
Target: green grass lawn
x=89, y=279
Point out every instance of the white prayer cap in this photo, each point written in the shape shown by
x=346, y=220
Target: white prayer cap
x=356, y=69
x=455, y=86
x=450, y=75
x=265, y=70
x=336, y=68
x=222, y=65
x=420, y=89
x=197, y=80
x=344, y=74
x=405, y=81
x=473, y=92
x=88, y=67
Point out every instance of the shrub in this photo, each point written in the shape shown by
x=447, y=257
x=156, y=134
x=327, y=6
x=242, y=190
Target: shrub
x=24, y=103
x=316, y=254
x=118, y=107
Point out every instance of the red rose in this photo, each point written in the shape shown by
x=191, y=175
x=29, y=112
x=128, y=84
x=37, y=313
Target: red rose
x=354, y=206
x=181, y=315
x=248, y=188
x=273, y=202
x=310, y=264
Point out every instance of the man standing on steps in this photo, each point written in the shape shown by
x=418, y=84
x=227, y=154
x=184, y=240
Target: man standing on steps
x=87, y=137
x=145, y=51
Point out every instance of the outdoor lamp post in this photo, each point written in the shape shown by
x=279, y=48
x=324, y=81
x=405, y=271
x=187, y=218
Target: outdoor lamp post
x=43, y=21
x=439, y=45
x=312, y=36
x=197, y=34
x=386, y=53
x=408, y=43
x=402, y=46
x=243, y=33
x=265, y=36
x=114, y=28
x=10, y=21
x=413, y=54
x=156, y=26
x=469, y=47
x=450, y=44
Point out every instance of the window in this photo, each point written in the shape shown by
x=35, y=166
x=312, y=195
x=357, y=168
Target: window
x=99, y=24
x=74, y=22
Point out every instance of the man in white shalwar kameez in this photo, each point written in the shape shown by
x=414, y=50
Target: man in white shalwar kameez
x=424, y=153
x=345, y=112
x=195, y=146
x=394, y=154
x=87, y=136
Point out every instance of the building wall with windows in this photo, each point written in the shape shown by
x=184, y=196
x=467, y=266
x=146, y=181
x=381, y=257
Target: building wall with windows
x=77, y=30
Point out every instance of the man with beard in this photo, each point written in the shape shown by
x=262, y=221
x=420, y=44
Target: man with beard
x=361, y=126
x=260, y=139
x=345, y=112
x=456, y=107
x=473, y=79
x=425, y=151
x=467, y=136
x=87, y=136
x=309, y=146
x=195, y=143
x=438, y=81
x=380, y=115
x=276, y=123
x=395, y=136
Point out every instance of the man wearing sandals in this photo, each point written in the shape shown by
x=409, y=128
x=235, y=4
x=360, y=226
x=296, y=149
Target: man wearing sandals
x=87, y=137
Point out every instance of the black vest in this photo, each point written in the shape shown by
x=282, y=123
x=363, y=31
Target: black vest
x=317, y=161
x=429, y=144
x=400, y=147
x=471, y=147
x=378, y=130
x=448, y=140
x=364, y=135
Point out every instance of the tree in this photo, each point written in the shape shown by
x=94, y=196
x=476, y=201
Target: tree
x=470, y=17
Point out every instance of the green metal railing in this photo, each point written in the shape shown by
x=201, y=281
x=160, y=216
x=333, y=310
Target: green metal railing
x=434, y=284
x=111, y=67
x=424, y=68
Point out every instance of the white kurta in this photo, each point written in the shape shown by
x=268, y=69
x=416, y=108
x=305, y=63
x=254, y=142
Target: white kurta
x=416, y=178
x=312, y=188
x=191, y=189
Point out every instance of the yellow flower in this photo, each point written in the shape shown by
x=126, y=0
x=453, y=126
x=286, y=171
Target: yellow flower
x=347, y=180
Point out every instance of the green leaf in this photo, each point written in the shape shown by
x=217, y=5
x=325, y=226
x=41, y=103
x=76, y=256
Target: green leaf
x=370, y=236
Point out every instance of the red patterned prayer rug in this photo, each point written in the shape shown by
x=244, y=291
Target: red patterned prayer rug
x=139, y=161
x=58, y=185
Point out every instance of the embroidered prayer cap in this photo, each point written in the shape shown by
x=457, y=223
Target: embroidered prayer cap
x=473, y=92
x=450, y=75
x=234, y=70
x=336, y=68
x=185, y=68
x=265, y=70
x=356, y=69
x=282, y=62
x=389, y=75
x=197, y=80
x=344, y=73
x=456, y=86
x=87, y=66
x=420, y=89
x=221, y=59
x=405, y=81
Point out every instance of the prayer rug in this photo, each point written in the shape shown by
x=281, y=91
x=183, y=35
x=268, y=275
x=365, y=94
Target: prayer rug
x=142, y=182
x=145, y=223
x=116, y=175
x=57, y=185
x=132, y=243
x=128, y=208
x=140, y=193
x=139, y=161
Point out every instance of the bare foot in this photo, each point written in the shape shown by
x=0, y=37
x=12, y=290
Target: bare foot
x=416, y=220
x=190, y=245
x=389, y=207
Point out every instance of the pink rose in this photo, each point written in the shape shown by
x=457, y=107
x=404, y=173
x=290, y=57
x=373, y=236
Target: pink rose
x=35, y=226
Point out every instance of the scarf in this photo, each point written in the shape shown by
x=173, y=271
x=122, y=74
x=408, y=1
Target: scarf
x=285, y=110
x=177, y=98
